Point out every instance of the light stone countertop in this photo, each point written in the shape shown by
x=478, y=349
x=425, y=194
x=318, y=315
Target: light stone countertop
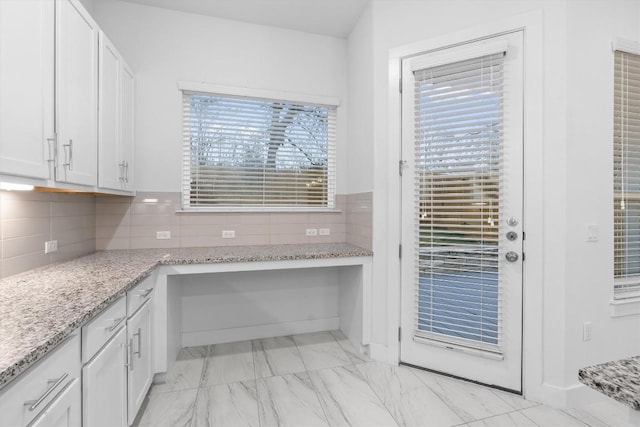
x=41, y=307
x=620, y=380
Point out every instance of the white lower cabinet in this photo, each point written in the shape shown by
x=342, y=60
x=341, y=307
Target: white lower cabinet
x=104, y=385
x=140, y=369
x=116, y=351
x=48, y=393
x=99, y=380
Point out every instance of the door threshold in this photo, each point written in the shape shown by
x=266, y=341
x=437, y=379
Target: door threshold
x=445, y=374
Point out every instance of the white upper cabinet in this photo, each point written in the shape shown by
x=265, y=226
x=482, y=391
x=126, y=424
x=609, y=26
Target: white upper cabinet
x=57, y=72
x=76, y=94
x=127, y=125
x=110, y=175
x=26, y=87
x=115, y=137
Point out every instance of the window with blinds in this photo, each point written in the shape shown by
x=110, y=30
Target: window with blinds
x=458, y=156
x=242, y=152
x=626, y=174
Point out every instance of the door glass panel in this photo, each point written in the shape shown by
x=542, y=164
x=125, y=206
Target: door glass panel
x=458, y=162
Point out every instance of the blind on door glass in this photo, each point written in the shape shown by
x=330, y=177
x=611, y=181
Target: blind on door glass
x=458, y=156
x=257, y=153
x=626, y=174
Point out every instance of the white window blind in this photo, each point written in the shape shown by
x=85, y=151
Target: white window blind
x=626, y=175
x=458, y=152
x=244, y=152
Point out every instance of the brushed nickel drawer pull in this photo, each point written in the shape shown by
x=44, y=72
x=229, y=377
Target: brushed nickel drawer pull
x=35, y=403
x=146, y=292
x=116, y=322
x=139, y=335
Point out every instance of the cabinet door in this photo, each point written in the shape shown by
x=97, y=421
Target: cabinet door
x=104, y=385
x=127, y=127
x=63, y=411
x=76, y=93
x=140, y=372
x=110, y=164
x=26, y=85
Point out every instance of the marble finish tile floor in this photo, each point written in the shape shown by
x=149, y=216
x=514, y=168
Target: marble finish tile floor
x=319, y=379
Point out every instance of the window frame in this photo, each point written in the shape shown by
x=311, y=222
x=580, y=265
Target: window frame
x=625, y=287
x=270, y=95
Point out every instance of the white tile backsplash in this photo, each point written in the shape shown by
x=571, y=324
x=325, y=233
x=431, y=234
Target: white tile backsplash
x=84, y=223
x=29, y=219
x=139, y=219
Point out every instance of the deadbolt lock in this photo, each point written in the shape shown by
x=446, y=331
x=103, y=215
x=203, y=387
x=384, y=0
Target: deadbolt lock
x=511, y=256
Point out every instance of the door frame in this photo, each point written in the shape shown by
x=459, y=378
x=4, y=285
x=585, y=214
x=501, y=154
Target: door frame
x=390, y=230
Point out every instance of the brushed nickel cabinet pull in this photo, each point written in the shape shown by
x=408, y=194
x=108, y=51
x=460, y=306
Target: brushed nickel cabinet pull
x=35, y=403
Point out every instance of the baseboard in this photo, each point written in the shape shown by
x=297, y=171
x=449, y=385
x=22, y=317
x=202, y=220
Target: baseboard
x=381, y=353
x=218, y=336
x=573, y=396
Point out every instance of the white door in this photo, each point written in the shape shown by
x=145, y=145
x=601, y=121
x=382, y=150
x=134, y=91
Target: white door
x=140, y=369
x=26, y=87
x=76, y=93
x=104, y=385
x=462, y=211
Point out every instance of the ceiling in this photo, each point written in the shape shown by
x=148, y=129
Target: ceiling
x=327, y=17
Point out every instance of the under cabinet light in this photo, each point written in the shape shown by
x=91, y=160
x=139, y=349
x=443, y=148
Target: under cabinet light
x=10, y=186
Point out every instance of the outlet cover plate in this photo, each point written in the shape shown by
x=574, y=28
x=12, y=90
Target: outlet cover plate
x=163, y=235
x=50, y=246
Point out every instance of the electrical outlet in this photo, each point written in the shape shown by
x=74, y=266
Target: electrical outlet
x=591, y=232
x=50, y=246
x=228, y=234
x=324, y=231
x=163, y=235
x=312, y=231
x=586, y=331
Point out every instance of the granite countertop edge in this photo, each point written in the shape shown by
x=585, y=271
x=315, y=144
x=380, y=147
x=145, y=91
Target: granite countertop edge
x=149, y=260
x=619, y=380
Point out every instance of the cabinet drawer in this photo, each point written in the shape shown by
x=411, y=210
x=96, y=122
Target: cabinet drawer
x=139, y=294
x=41, y=384
x=97, y=332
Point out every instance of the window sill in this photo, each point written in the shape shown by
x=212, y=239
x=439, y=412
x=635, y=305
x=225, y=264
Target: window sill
x=261, y=210
x=625, y=307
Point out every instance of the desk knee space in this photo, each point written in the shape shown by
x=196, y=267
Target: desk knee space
x=203, y=304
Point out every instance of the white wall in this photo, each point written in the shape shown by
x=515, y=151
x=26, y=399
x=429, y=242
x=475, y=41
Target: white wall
x=360, y=147
x=225, y=307
x=592, y=25
x=574, y=180
x=164, y=47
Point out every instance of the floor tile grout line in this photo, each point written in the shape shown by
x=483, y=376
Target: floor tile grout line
x=505, y=400
x=499, y=415
x=560, y=410
x=205, y=364
x=377, y=396
x=313, y=385
x=577, y=419
x=255, y=381
x=454, y=410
